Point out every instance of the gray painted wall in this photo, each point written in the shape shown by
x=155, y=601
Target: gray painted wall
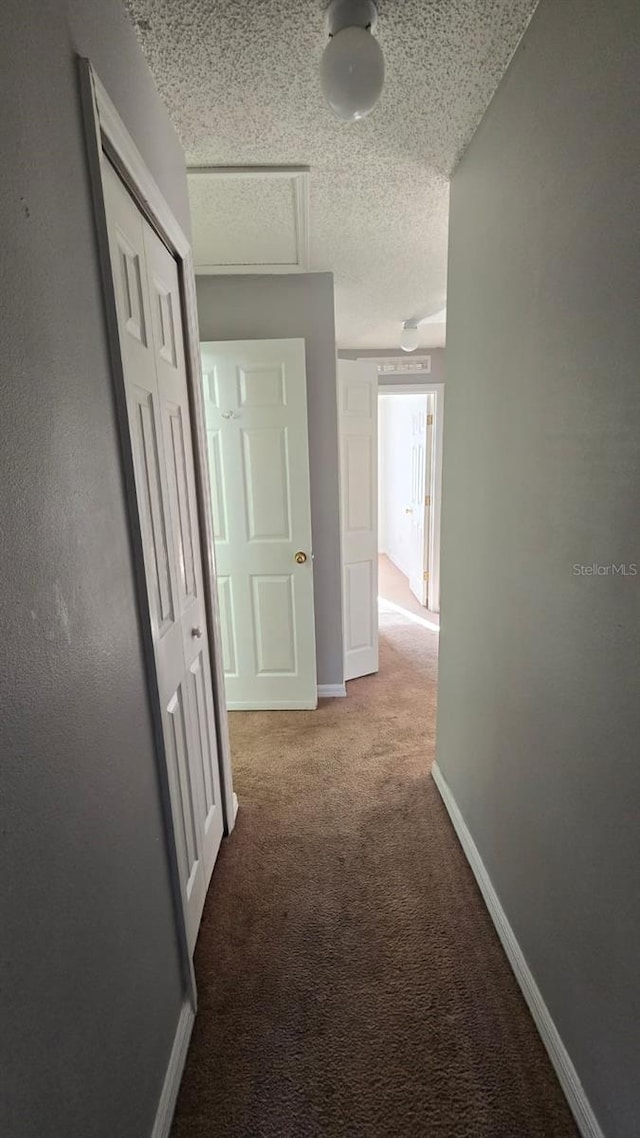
x=91, y=985
x=277, y=307
x=539, y=714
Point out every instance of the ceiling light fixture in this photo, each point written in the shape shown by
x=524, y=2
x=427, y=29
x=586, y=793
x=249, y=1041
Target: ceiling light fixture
x=352, y=66
x=410, y=336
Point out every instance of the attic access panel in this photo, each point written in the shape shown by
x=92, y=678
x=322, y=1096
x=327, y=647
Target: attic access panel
x=250, y=219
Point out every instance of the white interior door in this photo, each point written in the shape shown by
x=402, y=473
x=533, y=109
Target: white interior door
x=358, y=428
x=149, y=318
x=255, y=395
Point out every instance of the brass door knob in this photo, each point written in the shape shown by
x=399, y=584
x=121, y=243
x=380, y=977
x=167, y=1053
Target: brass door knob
x=299, y=557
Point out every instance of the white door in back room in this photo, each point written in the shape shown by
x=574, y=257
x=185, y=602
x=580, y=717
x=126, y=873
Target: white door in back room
x=147, y=290
x=255, y=394
x=358, y=432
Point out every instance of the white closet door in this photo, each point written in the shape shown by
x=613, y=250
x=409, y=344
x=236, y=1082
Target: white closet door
x=255, y=395
x=358, y=428
x=148, y=304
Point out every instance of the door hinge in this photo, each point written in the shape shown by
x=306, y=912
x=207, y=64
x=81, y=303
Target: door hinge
x=427, y=500
x=429, y=420
x=425, y=576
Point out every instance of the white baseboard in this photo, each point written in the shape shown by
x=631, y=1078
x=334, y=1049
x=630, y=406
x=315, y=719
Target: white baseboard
x=564, y=1068
x=325, y=691
x=272, y=705
x=171, y=1085
x=332, y=691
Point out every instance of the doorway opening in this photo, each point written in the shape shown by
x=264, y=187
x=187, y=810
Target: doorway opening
x=409, y=493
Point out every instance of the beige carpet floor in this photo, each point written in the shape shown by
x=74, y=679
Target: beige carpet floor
x=350, y=980
x=394, y=587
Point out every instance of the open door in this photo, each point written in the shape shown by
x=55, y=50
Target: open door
x=358, y=430
x=255, y=395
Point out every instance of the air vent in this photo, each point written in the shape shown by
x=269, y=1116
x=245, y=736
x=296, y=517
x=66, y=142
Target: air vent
x=406, y=367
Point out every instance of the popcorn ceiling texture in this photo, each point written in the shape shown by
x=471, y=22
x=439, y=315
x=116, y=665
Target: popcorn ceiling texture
x=241, y=84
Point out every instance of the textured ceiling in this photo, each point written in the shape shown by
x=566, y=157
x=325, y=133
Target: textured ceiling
x=240, y=80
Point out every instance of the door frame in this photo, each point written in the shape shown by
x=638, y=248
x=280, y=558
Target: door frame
x=437, y=389
x=107, y=133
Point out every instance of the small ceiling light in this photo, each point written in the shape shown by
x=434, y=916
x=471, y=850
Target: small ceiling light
x=352, y=67
x=410, y=336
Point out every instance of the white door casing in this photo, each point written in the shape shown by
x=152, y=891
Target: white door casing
x=148, y=302
x=435, y=492
x=429, y=492
x=421, y=503
x=358, y=432
x=255, y=396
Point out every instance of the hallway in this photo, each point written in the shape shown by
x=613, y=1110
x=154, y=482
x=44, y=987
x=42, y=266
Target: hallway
x=350, y=980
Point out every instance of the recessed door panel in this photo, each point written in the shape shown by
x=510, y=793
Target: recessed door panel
x=359, y=631
x=262, y=386
x=187, y=804
x=227, y=626
x=266, y=479
x=218, y=499
x=165, y=324
x=357, y=401
x=204, y=743
x=274, y=625
x=145, y=453
x=131, y=290
x=211, y=387
x=185, y=535
x=357, y=467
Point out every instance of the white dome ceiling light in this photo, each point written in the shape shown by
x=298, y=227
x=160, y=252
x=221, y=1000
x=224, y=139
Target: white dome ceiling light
x=352, y=67
x=410, y=336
